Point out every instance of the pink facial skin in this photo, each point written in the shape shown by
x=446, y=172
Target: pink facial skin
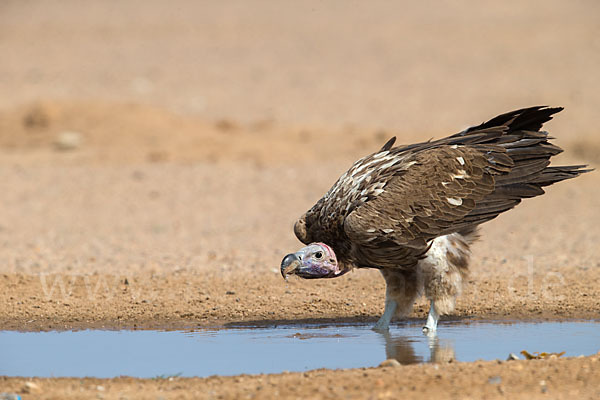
x=317, y=260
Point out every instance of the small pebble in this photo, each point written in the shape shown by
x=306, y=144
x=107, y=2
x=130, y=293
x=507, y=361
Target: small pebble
x=390, y=362
x=68, y=140
x=31, y=387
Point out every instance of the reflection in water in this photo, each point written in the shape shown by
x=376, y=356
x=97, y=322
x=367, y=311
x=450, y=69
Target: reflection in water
x=402, y=348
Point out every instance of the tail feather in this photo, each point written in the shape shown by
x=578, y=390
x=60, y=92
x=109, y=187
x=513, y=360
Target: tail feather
x=552, y=175
x=523, y=172
x=530, y=152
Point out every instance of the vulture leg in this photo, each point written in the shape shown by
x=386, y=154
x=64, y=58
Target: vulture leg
x=402, y=288
x=390, y=310
x=443, y=268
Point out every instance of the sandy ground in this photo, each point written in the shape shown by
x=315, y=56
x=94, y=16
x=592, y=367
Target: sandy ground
x=536, y=379
x=200, y=132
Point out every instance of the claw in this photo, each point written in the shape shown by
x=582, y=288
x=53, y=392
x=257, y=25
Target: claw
x=428, y=331
x=430, y=327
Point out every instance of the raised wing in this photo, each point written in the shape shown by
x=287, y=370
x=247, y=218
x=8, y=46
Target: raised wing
x=437, y=190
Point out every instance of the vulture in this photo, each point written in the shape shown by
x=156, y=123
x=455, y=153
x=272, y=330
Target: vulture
x=413, y=211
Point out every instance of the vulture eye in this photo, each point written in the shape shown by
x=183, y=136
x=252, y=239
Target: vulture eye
x=319, y=255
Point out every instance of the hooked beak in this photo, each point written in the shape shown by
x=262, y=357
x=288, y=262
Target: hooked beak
x=289, y=264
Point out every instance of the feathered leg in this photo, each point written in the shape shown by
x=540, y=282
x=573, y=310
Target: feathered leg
x=402, y=288
x=444, y=268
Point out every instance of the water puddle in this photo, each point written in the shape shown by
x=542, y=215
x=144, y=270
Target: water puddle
x=149, y=354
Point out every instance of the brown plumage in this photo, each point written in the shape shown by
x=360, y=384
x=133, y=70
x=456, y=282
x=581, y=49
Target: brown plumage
x=412, y=211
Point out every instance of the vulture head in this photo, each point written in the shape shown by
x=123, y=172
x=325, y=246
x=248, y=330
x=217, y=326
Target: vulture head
x=317, y=260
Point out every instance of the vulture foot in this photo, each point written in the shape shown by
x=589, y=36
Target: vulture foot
x=430, y=327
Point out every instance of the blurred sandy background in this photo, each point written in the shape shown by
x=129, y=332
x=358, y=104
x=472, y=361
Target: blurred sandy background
x=155, y=154
x=406, y=66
